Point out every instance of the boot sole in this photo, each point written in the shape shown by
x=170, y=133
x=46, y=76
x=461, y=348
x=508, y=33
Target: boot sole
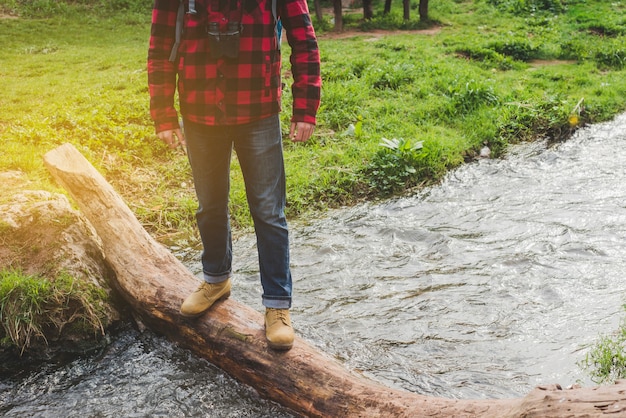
x=280, y=347
x=223, y=297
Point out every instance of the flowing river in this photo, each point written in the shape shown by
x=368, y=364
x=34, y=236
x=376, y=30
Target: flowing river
x=485, y=286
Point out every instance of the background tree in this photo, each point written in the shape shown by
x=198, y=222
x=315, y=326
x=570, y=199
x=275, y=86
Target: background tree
x=317, y=4
x=423, y=10
x=337, y=9
x=387, y=7
x=368, y=11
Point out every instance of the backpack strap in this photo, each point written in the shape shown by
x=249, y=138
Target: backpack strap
x=278, y=25
x=192, y=7
x=180, y=17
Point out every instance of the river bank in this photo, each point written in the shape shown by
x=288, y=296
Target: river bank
x=465, y=87
x=56, y=297
x=487, y=285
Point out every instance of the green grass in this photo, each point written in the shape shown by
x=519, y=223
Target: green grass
x=605, y=362
x=75, y=72
x=36, y=308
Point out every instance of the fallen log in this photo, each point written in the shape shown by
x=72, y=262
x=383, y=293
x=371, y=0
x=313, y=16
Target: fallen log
x=231, y=335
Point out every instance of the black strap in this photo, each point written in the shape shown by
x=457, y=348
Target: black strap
x=180, y=17
x=180, y=20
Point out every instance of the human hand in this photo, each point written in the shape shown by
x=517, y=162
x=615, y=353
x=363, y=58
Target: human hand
x=301, y=131
x=173, y=138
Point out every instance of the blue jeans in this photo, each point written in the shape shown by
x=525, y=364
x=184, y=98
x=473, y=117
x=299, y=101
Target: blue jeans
x=260, y=153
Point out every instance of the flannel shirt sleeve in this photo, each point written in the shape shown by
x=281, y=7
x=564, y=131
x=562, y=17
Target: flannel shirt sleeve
x=305, y=59
x=162, y=72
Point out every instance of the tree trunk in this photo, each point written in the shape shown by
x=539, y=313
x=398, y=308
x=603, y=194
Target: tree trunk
x=317, y=4
x=407, y=9
x=368, y=11
x=387, y=7
x=231, y=335
x=338, y=10
x=423, y=10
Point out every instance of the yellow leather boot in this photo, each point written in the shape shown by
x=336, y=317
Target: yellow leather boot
x=278, y=329
x=204, y=297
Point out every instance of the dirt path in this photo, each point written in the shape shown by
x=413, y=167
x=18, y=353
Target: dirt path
x=377, y=33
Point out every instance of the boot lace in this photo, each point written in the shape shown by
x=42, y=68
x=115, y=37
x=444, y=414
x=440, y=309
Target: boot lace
x=280, y=315
x=206, y=288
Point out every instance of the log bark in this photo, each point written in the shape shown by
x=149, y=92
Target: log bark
x=231, y=335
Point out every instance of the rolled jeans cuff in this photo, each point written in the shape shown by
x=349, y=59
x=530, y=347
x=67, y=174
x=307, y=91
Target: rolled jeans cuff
x=277, y=303
x=216, y=279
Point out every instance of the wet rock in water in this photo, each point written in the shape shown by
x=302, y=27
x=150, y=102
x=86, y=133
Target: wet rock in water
x=485, y=152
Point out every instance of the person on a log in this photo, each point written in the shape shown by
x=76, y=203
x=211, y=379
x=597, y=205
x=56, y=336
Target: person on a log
x=224, y=58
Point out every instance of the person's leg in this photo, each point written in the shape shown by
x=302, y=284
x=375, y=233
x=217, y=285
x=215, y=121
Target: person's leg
x=260, y=153
x=209, y=150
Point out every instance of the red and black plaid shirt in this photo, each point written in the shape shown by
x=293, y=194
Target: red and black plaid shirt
x=227, y=91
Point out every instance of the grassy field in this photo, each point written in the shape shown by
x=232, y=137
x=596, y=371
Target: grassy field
x=484, y=72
